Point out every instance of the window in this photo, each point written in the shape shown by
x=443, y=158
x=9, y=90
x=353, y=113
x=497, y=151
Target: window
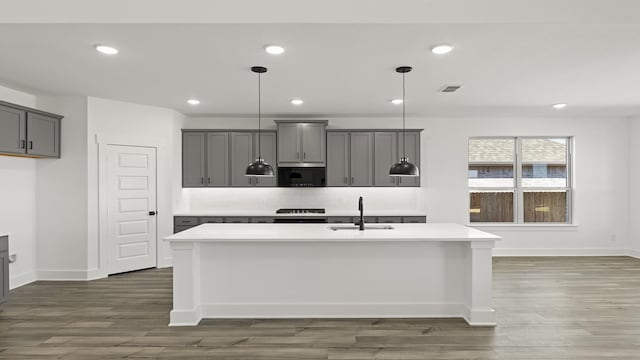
x=520, y=180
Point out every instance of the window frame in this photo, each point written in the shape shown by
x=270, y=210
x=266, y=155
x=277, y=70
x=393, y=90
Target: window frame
x=519, y=190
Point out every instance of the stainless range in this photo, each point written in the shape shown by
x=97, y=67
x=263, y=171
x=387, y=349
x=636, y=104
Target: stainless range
x=300, y=216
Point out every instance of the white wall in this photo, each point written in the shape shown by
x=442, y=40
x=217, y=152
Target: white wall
x=601, y=181
x=18, y=196
x=634, y=186
x=132, y=124
x=62, y=195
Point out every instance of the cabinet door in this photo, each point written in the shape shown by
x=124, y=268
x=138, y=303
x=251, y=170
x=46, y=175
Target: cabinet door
x=4, y=268
x=13, y=135
x=241, y=157
x=193, y=159
x=313, y=142
x=268, y=144
x=361, y=158
x=289, y=143
x=385, y=155
x=338, y=159
x=413, y=153
x=43, y=135
x=217, y=159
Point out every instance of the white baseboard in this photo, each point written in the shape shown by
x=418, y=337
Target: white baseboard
x=633, y=253
x=68, y=275
x=497, y=252
x=22, y=279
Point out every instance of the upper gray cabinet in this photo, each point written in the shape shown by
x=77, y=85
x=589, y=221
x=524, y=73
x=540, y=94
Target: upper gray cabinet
x=350, y=158
x=193, y=159
x=220, y=158
x=217, y=159
x=29, y=132
x=13, y=130
x=389, y=147
x=301, y=143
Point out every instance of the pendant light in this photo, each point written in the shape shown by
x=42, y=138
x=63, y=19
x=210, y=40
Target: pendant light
x=259, y=167
x=404, y=167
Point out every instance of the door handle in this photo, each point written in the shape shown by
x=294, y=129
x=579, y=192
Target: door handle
x=152, y=213
x=22, y=144
x=209, y=180
x=352, y=180
x=202, y=180
x=30, y=145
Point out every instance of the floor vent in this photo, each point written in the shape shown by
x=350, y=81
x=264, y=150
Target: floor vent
x=450, y=88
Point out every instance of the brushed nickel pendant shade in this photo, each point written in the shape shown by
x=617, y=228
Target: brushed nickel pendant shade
x=259, y=167
x=404, y=167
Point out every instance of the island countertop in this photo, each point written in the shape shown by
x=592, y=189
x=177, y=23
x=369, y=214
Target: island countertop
x=442, y=232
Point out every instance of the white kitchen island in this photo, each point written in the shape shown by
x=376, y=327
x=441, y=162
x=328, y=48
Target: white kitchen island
x=311, y=271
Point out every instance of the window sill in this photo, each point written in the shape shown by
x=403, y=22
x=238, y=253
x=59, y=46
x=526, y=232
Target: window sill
x=524, y=227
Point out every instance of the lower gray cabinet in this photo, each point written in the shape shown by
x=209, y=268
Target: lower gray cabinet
x=367, y=219
x=4, y=269
x=390, y=219
x=414, y=219
x=210, y=220
x=185, y=220
x=262, y=220
x=236, y=220
x=179, y=228
x=340, y=219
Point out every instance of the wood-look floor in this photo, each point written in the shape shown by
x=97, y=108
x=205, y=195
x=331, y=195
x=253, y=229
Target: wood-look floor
x=547, y=308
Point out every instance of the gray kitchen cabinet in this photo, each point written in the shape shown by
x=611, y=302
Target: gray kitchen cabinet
x=268, y=143
x=185, y=220
x=4, y=269
x=367, y=219
x=193, y=159
x=289, y=143
x=350, y=158
x=179, y=228
x=236, y=220
x=340, y=219
x=301, y=142
x=43, y=135
x=390, y=219
x=262, y=220
x=385, y=155
x=414, y=219
x=338, y=159
x=361, y=158
x=413, y=153
x=13, y=130
x=210, y=220
x=217, y=159
x=241, y=157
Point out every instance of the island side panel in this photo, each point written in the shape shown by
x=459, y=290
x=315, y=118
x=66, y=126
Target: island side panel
x=186, y=284
x=480, y=290
x=333, y=279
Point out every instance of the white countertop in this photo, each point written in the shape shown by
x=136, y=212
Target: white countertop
x=444, y=232
x=250, y=213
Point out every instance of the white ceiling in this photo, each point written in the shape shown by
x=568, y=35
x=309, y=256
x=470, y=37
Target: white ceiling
x=337, y=69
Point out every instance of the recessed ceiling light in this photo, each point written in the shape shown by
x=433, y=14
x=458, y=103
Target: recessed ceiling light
x=274, y=49
x=559, y=106
x=193, y=101
x=441, y=49
x=396, y=101
x=297, y=102
x=107, y=50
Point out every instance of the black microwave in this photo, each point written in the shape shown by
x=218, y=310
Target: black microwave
x=302, y=176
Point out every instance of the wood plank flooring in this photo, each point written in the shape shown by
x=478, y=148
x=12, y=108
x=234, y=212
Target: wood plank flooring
x=547, y=308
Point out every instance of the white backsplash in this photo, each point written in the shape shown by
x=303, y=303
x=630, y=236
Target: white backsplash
x=332, y=199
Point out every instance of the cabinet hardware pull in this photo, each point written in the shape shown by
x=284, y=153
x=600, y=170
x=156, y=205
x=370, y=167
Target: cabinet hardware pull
x=30, y=145
x=346, y=180
x=202, y=180
x=22, y=144
x=352, y=180
x=209, y=180
x=304, y=155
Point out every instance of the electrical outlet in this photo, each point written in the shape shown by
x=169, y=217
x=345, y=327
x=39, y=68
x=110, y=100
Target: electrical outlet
x=13, y=258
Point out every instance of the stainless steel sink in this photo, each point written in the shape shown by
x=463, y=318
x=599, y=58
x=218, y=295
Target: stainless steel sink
x=366, y=227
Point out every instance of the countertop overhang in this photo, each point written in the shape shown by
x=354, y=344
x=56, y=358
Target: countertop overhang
x=434, y=232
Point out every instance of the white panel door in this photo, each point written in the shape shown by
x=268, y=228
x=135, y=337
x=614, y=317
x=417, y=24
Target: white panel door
x=131, y=201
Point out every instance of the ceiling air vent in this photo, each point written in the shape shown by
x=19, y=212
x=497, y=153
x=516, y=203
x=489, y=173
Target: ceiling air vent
x=450, y=88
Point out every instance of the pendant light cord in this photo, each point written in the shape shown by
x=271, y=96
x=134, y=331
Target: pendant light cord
x=259, y=116
x=404, y=136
